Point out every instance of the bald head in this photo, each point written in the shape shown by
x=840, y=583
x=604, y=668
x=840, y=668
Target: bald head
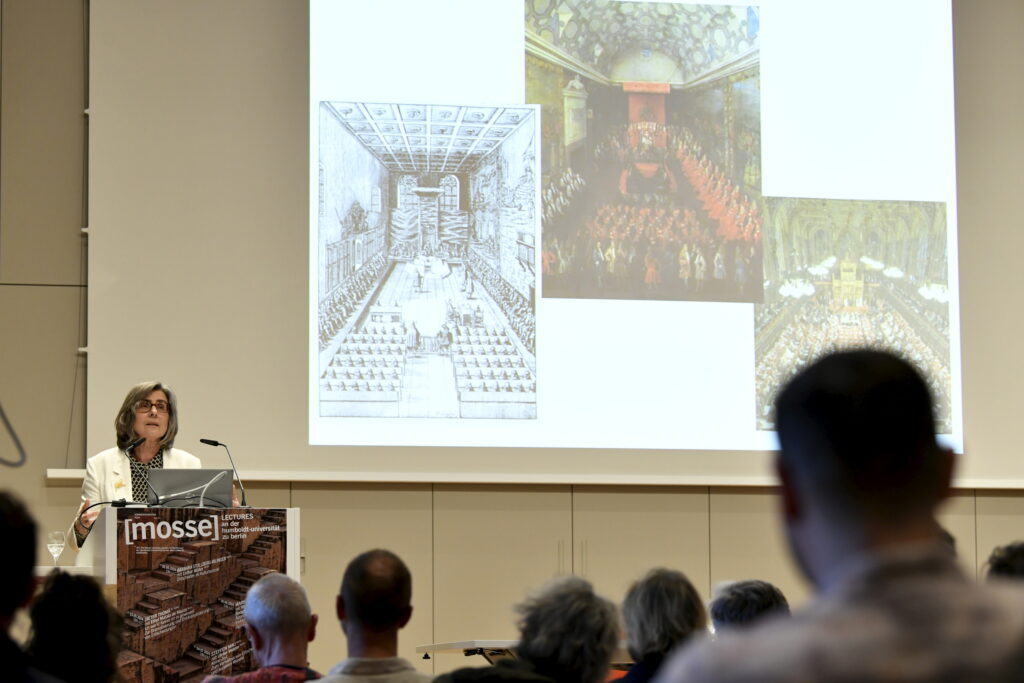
x=277, y=606
x=376, y=590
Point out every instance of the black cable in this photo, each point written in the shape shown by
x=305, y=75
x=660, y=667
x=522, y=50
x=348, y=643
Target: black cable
x=22, y=456
x=120, y=503
x=78, y=361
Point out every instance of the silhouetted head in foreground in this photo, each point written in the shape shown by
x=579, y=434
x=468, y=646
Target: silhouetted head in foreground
x=79, y=648
x=859, y=464
x=18, y=530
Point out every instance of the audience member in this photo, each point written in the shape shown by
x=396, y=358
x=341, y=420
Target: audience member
x=374, y=603
x=81, y=649
x=1006, y=562
x=661, y=611
x=280, y=625
x=948, y=539
x=18, y=530
x=741, y=602
x=861, y=476
x=567, y=634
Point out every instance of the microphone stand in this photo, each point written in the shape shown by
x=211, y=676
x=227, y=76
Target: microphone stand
x=211, y=442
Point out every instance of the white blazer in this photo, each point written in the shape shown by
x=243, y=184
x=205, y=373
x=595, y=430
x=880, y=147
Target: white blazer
x=108, y=476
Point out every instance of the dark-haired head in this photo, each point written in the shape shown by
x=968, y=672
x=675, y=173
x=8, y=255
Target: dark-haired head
x=18, y=531
x=376, y=592
x=742, y=602
x=1006, y=562
x=83, y=648
x=857, y=433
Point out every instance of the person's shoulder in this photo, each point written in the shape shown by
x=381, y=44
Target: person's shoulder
x=36, y=676
x=181, y=459
x=266, y=675
x=763, y=652
x=503, y=671
x=342, y=672
x=107, y=455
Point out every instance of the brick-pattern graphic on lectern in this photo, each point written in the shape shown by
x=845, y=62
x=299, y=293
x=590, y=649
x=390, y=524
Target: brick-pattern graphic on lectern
x=182, y=577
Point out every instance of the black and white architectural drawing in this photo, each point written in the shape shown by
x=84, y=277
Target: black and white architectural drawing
x=426, y=238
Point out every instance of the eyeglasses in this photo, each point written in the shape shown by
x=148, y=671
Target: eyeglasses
x=145, y=405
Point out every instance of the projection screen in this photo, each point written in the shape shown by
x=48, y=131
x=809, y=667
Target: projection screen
x=619, y=227
x=634, y=245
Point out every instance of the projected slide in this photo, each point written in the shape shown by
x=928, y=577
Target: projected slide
x=851, y=274
x=426, y=289
x=617, y=224
x=652, y=192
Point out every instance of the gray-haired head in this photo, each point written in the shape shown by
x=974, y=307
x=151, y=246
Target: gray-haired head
x=567, y=632
x=742, y=602
x=277, y=605
x=126, y=415
x=661, y=610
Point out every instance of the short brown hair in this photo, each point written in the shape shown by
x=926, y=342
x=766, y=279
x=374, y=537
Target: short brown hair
x=126, y=416
x=377, y=590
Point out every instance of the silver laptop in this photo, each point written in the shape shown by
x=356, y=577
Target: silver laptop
x=188, y=488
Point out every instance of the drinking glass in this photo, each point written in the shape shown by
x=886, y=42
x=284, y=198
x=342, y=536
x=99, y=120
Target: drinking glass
x=55, y=544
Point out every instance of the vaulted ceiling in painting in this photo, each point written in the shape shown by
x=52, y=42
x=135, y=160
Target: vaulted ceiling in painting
x=429, y=138
x=599, y=33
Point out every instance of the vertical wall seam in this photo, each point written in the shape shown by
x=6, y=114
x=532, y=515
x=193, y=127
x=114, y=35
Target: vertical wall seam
x=977, y=545
x=710, y=581
x=433, y=577
x=572, y=529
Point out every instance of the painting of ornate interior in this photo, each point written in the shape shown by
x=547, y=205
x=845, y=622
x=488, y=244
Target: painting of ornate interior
x=651, y=148
x=426, y=259
x=845, y=274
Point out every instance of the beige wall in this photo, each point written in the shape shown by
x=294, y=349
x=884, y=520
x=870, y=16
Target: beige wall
x=474, y=550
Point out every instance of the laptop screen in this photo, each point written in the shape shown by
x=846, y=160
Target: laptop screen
x=189, y=488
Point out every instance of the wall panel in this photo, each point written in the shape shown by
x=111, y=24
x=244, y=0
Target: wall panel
x=619, y=533
x=492, y=545
x=342, y=521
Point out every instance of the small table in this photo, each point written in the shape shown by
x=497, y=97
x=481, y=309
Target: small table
x=491, y=650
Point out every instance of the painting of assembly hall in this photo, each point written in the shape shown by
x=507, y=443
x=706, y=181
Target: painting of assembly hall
x=426, y=234
x=651, y=148
x=847, y=274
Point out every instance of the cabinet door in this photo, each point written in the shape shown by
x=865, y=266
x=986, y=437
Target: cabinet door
x=959, y=516
x=340, y=521
x=999, y=515
x=748, y=542
x=493, y=545
x=621, y=532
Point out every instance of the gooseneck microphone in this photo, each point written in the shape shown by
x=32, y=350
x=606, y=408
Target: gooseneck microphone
x=131, y=447
x=211, y=442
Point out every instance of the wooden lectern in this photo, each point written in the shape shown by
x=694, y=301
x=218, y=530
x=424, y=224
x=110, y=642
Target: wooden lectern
x=180, y=576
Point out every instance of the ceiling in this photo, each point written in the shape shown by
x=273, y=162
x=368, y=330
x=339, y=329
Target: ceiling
x=429, y=137
x=599, y=33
